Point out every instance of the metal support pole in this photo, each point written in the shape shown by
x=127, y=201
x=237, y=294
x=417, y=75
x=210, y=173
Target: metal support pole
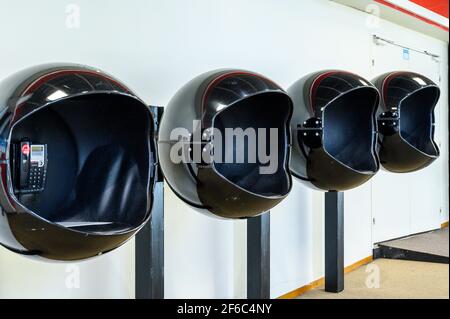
x=149, y=247
x=149, y=242
x=258, y=257
x=334, y=241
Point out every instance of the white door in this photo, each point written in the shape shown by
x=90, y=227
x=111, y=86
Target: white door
x=404, y=204
x=426, y=184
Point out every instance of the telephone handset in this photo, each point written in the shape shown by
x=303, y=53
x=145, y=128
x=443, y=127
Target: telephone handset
x=30, y=167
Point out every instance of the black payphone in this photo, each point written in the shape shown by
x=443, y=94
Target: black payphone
x=30, y=167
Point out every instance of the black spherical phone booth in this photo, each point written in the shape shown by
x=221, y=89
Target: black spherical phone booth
x=406, y=121
x=78, y=162
x=334, y=130
x=215, y=102
x=79, y=157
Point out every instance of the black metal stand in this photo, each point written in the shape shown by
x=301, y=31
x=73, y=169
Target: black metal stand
x=334, y=241
x=149, y=242
x=258, y=257
x=149, y=248
x=149, y=252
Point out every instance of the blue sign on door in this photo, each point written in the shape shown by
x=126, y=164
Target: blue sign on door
x=405, y=54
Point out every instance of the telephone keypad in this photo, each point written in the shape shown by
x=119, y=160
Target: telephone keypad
x=36, y=178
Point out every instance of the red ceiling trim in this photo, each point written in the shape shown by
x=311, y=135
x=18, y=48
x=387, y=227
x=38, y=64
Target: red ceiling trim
x=437, y=6
x=426, y=20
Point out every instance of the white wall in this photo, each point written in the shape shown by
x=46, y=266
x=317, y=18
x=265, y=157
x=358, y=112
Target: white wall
x=108, y=276
x=157, y=46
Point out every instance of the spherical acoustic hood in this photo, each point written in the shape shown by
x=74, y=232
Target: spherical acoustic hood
x=406, y=121
x=334, y=130
x=224, y=143
x=77, y=162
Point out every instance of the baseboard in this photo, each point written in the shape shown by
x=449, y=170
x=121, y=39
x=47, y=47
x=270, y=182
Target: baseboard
x=358, y=264
x=444, y=225
x=321, y=281
x=300, y=291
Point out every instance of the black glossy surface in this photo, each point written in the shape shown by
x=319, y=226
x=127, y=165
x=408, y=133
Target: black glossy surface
x=334, y=122
x=101, y=162
x=348, y=130
x=227, y=99
x=406, y=121
x=242, y=115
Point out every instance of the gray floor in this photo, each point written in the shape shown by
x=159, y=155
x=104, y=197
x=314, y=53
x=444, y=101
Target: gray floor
x=434, y=242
